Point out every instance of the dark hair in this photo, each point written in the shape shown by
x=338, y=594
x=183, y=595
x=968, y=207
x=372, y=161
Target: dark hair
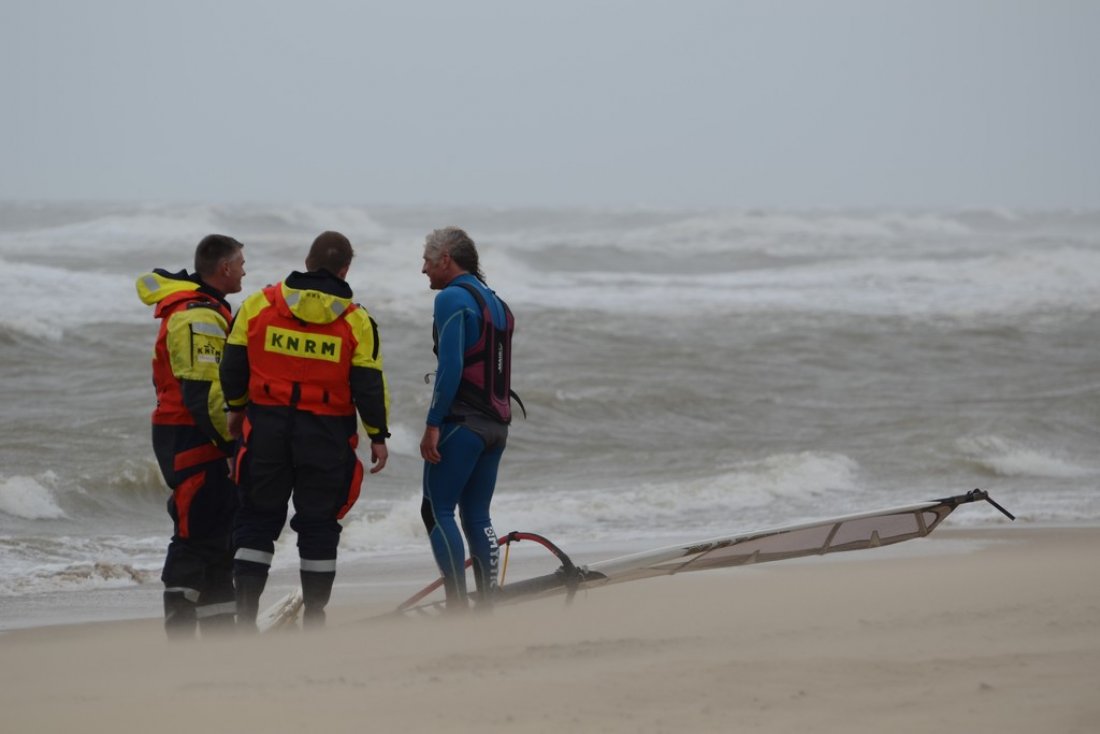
x=456, y=243
x=330, y=251
x=211, y=250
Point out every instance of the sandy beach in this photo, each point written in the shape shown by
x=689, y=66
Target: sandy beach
x=989, y=631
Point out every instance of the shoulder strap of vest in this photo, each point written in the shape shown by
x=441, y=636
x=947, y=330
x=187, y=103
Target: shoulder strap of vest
x=186, y=300
x=515, y=396
x=476, y=293
x=473, y=291
x=213, y=306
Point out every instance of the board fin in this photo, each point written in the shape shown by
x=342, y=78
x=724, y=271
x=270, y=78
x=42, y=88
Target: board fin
x=282, y=614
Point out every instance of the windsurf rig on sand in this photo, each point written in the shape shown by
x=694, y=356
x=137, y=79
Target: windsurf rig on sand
x=819, y=537
x=834, y=535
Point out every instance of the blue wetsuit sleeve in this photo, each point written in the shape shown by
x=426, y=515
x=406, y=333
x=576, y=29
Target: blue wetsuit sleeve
x=450, y=322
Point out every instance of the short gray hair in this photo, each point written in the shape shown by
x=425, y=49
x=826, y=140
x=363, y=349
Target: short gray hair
x=211, y=250
x=456, y=243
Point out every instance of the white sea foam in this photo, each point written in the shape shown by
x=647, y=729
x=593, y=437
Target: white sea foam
x=79, y=576
x=394, y=528
x=743, y=494
x=30, y=498
x=778, y=233
x=152, y=227
x=994, y=285
x=915, y=265
x=32, y=563
x=584, y=285
x=136, y=229
x=46, y=300
x=1007, y=458
x=83, y=272
x=355, y=222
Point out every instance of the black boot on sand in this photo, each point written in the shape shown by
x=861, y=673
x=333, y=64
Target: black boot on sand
x=179, y=616
x=316, y=590
x=248, y=589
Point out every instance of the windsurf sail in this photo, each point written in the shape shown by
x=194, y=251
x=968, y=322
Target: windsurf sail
x=819, y=537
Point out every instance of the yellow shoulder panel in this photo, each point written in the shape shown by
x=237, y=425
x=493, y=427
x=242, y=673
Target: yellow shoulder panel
x=196, y=339
x=154, y=287
x=252, y=305
x=368, y=351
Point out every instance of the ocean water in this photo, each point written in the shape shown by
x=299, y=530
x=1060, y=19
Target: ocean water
x=686, y=373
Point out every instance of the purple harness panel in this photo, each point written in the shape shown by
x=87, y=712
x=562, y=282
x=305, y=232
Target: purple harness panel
x=487, y=372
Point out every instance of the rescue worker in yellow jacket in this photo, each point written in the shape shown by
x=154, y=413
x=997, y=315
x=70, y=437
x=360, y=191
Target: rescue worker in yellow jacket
x=302, y=359
x=191, y=438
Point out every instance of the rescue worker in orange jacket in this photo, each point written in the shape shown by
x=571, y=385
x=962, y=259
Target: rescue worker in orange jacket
x=191, y=438
x=302, y=359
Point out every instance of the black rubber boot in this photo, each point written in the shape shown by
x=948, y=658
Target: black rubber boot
x=217, y=609
x=316, y=590
x=217, y=625
x=248, y=588
x=179, y=616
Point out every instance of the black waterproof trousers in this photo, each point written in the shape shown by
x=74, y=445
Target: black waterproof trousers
x=295, y=456
x=198, y=571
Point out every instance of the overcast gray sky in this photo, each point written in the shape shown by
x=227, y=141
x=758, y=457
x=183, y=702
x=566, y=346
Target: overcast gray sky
x=774, y=103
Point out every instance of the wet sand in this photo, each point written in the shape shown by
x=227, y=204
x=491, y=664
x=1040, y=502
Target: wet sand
x=993, y=630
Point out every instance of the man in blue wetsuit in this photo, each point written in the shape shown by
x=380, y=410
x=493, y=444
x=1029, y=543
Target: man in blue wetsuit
x=467, y=424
